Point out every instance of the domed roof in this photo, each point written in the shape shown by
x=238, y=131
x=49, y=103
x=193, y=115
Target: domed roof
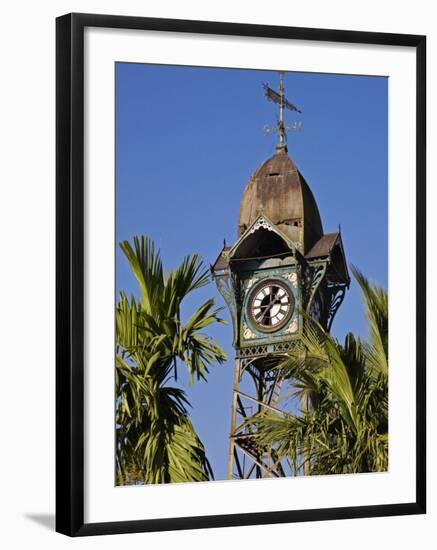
x=278, y=190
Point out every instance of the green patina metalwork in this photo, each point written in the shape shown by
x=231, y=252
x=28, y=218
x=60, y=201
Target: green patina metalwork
x=281, y=269
x=249, y=332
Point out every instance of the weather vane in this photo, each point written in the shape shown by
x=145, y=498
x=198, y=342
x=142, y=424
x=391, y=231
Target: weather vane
x=281, y=128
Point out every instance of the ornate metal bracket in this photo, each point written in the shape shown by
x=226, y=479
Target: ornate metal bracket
x=226, y=287
x=336, y=297
x=317, y=275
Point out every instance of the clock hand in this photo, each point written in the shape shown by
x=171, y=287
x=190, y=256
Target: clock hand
x=264, y=313
x=267, y=308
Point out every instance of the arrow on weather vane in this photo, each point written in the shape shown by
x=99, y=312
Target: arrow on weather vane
x=279, y=98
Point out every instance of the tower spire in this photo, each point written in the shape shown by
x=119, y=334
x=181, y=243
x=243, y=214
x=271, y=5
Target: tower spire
x=279, y=98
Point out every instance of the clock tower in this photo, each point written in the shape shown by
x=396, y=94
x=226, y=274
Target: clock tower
x=281, y=267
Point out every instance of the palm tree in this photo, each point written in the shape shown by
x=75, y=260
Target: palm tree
x=345, y=427
x=156, y=442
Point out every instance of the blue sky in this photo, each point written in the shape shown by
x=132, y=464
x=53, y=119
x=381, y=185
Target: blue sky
x=187, y=141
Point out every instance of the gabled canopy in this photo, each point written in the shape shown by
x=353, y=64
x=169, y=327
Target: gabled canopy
x=330, y=246
x=262, y=239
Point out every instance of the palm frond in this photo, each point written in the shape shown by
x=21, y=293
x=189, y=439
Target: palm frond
x=345, y=427
x=156, y=442
x=376, y=308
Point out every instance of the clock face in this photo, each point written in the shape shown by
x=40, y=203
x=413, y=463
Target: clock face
x=271, y=305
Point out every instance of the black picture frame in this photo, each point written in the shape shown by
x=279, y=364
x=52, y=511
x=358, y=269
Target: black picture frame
x=70, y=273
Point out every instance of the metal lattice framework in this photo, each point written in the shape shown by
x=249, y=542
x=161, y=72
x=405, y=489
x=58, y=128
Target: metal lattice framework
x=267, y=391
x=260, y=386
x=263, y=350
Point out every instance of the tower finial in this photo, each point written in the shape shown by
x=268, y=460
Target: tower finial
x=281, y=128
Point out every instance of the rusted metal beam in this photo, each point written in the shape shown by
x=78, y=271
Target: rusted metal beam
x=237, y=463
x=251, y=469
x=233, y=417
x=257, y=401
x=254, y=460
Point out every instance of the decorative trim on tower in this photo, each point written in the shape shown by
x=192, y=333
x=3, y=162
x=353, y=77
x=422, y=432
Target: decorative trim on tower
x=261, y=223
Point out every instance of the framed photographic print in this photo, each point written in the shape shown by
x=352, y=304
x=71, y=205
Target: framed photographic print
x=240, y=274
